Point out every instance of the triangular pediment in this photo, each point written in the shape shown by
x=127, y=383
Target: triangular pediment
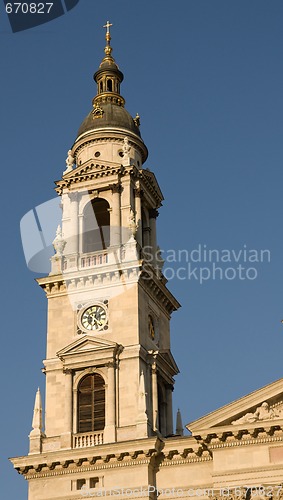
x=259, y=408
x=88, y=171
x=85, y=345
x=92, y=167
x=151, y=179
x=169, y=359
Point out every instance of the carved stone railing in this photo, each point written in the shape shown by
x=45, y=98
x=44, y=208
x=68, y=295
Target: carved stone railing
x=93, y=259
x=88, y=439
x=88, y=260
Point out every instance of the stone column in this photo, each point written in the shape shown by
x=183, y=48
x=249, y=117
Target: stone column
x=73, y=237
x=115, y=217
x=153, y=214
x=66, y=437
x=81, y=235
x=169, y=416
x=110, y=424
x=138, y=215
x=154, y=397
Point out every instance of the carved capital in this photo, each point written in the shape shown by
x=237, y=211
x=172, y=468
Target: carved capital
x=153, y=213
x=67, y=371
x=138, y=192
x=111, y=364
x=115, y=188
x=73, y=196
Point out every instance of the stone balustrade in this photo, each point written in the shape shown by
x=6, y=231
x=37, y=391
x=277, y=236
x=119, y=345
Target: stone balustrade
x=88, y=439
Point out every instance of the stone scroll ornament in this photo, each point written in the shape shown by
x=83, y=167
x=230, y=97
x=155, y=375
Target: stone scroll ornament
x=263, y=412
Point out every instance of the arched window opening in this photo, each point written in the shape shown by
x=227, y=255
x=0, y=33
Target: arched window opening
x=91, y=404
x=109, y=85
x=96, y=233
x=101, y=86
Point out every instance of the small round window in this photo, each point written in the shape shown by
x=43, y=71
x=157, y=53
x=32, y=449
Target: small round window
x=97, y=154
x=121, y=154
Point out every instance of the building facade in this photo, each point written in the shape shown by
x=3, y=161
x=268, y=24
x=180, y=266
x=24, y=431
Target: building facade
x=108, y=427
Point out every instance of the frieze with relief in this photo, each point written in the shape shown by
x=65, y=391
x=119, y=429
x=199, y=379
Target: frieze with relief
x=262, y=412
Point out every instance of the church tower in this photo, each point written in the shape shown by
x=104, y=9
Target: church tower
x=109, y=369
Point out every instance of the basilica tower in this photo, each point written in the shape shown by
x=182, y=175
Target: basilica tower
x=109, y=369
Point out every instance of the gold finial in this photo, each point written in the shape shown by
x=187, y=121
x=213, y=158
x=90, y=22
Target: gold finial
x=108, y=49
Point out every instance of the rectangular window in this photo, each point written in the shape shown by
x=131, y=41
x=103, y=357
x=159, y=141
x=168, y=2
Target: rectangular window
x=93, y=482
x=80, y=483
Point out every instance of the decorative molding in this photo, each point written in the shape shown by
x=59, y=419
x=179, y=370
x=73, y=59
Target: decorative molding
x=71, y=465
x=262, y=412
x=136, y=141
x=97, y=111
x=260, y=435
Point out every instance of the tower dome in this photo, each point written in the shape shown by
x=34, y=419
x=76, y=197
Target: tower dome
x=109, y=121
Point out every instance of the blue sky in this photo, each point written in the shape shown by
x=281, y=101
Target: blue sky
x=206, y=78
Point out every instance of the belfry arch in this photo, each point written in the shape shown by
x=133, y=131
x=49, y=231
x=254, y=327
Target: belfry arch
x=96, y=226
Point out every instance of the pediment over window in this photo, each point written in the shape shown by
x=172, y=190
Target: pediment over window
x=89, y=351
x=262, y=408
x=168, y=361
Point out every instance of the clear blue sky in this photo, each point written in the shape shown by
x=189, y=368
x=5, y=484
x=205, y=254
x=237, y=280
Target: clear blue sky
x=206, y=79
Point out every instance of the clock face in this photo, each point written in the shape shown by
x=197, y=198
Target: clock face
x=94, y=318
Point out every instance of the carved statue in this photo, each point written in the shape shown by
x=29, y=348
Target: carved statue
x=137, y=120
x=126, y=152
x=263, y=412
x=126, y=146
x=69, y=162
x=132, y=223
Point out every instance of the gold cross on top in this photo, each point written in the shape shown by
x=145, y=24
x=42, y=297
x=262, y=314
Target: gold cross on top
x=107, y=26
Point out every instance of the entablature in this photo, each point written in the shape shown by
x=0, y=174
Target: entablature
x=130, y=453
x=105, y=175
x=155, y=286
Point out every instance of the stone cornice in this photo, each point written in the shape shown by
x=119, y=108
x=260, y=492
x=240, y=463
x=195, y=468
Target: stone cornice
x=98, y=277
x=94, y=170
x=90, y=171
x=262, y=433
x=157, y=289
x=93, y=458
x=108, y=135
x=149, y=180
x=94, y=277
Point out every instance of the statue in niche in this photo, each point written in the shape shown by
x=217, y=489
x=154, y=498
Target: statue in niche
x=126, y=152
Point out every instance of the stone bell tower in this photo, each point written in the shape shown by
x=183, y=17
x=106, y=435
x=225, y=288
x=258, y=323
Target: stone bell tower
x=109, y=369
